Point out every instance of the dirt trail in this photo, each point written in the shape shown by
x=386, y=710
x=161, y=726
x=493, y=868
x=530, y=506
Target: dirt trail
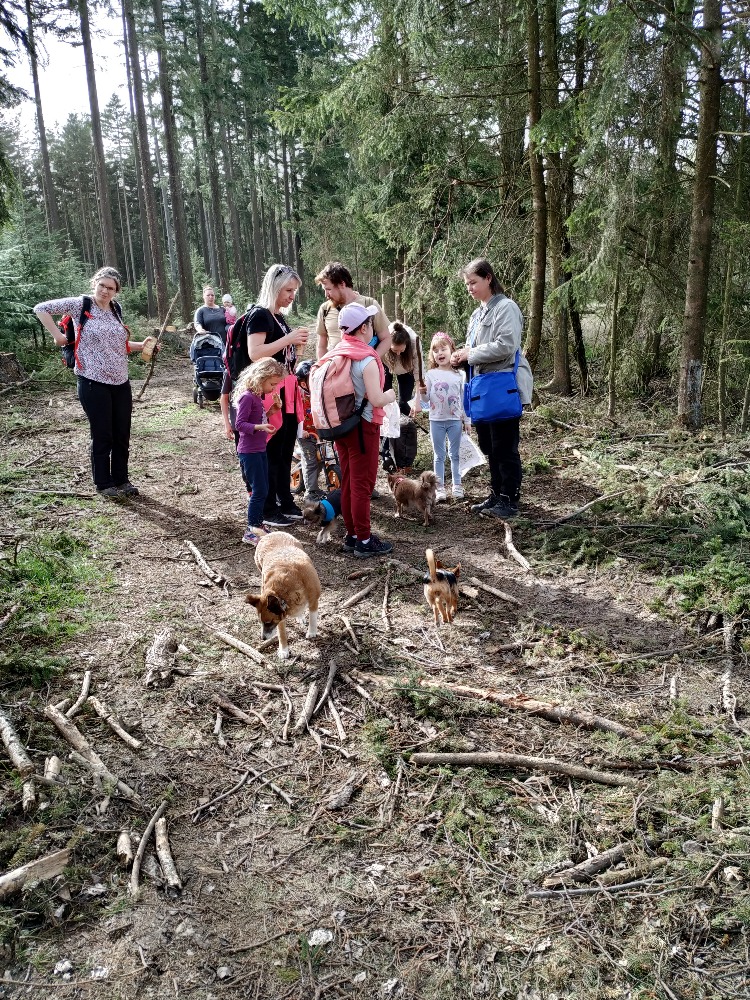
x=416, y=886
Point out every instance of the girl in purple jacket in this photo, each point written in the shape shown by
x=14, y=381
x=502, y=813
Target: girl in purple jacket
x=254, y=430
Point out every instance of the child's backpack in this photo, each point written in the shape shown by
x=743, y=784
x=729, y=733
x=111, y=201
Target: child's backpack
x=236, y=355
x=73, y=336
x=332, y=397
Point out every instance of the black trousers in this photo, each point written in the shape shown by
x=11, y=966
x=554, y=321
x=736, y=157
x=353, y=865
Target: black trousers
x=280, y=449
x=405, y=391
x=109, y=409
x=499, y=442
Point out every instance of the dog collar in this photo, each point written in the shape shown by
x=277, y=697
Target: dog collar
x=330, y=513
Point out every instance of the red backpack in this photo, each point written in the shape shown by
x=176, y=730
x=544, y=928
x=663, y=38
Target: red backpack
x=332, y=397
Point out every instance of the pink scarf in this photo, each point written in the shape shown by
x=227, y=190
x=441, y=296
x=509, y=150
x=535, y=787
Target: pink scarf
x=352, y=347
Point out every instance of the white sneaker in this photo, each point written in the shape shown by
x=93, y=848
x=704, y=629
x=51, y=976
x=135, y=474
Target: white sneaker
x=440, y=494
x=458, y=492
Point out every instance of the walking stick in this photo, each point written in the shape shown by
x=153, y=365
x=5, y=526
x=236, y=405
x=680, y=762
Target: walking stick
x=158, y=339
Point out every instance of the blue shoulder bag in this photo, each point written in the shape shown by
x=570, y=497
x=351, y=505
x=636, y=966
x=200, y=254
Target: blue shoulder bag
x=493, y=396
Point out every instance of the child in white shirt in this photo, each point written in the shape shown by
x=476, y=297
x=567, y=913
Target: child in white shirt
x=444, y=392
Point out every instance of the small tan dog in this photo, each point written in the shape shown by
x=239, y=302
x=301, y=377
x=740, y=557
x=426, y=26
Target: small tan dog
x=419, y=493
x=289, y=586
x=441, y=588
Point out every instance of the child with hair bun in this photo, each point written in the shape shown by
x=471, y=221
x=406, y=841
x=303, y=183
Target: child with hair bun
x=444, y=391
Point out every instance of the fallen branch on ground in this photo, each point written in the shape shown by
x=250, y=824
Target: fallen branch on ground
x=308, y=709
x=240, y=646
x=163, y=853
x=85, y=688
x=332, y=670
x=509, y=598
x=586, y=506
x=513, y=551
x=125, y=849
x=513, y=760
x=363, y=693
x=337, y=800
x=44, y=868
x=135, y=871
x=114, y=723
x=586, y=870
x=8, y=615
x=359, y=596
x=213, y=575
x=229, y=708
x=16, y=750
x=51, y=491
x=160, y=659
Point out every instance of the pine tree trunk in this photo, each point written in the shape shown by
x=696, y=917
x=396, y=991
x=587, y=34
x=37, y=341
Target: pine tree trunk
x=182, y=248
x=240, y=265
x=100, y=166
x=613, y=338
x=168, y=229
x=200, y=204
x=211, y=148
x=287, y=203
x=299, y=262
x=538, y=194
x=49, y=188
x=689, y=412
x=147, y=185
x=259, y=243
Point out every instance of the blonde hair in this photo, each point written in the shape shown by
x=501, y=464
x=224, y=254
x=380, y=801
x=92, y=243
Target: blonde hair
x=439, y=338
x=106, y=272
x=274, y=280
x=252, y=378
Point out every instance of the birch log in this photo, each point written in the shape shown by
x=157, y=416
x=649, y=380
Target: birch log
x=16, y=750
x=515, y=760
x=50, y=866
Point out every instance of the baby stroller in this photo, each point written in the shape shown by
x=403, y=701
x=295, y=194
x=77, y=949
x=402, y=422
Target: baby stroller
x=329, y=463
x=206, y=353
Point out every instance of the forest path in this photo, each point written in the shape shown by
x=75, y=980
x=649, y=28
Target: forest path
x=415, y=883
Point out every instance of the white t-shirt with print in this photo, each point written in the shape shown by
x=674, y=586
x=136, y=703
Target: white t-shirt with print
x=445, y=391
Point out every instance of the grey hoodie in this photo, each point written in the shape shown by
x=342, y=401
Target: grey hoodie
x=495, y=333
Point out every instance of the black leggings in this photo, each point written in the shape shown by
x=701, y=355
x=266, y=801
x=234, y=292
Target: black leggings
x=109, y=409
x=499, y=442
x=280, y=449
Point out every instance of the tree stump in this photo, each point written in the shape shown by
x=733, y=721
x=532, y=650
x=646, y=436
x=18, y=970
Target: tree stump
x=10, y=369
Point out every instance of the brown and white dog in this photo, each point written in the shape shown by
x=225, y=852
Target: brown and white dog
x=419, y=493
x=289, y=586
x=441, y=588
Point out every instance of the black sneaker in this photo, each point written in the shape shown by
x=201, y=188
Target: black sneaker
x=373, y=547
x=293, y=512
x=503, y=509
x=349, y=544
x=477, y=508
x=128, y=490
x=112, y=492
x=277, y=520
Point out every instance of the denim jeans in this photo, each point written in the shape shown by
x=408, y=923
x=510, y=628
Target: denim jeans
x=254, y=467
x=439, y=430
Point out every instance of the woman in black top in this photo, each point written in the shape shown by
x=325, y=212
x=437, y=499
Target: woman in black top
x=270, y=336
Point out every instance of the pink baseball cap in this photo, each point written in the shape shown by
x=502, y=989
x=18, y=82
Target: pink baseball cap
x=354, y=315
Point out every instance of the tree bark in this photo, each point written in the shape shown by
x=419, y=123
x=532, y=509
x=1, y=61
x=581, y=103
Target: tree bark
x=689, y=412
x=538, y=193
x=100, y=166
x=49, y=188
x=149, y=198
x=182, y=247
x=161, y=180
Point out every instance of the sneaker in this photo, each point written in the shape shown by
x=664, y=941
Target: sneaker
x=277, y=520
x=503, y=509
x=349, y=544
x=128, y=490
x=458, y=492
x=477, y=508
x=113, y=492
x=440, y=494
x=373, y=547
x=253, y=535
x=376, y=494
x=293, y=513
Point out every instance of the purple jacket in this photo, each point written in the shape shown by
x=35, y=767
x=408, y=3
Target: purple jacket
x=250, y=412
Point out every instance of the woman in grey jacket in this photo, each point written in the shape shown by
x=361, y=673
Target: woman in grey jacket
x=493, y=337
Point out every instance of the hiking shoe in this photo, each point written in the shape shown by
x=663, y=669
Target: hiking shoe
x=277, y=520
x=314, y=496
x=293, y=513
x=128, y=490
x=458, y=492
x=113, y=492
x=440, y=494
x=253, y=535
x=503, y=509
x=477, y=508
x=373, y=547
x=349, y=544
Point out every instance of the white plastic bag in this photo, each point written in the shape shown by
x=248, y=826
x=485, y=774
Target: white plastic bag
x=469, y=455
x=391, y=426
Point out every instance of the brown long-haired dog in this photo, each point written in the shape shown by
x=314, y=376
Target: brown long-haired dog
x=441, y=588
x=419, y=493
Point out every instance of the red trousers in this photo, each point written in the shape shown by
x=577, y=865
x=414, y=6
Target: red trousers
x=358, y=474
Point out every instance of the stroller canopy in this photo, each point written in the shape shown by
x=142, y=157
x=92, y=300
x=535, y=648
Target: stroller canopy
x=206, y=345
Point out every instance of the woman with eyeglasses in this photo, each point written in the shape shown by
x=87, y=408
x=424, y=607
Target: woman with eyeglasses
x=270, y=336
